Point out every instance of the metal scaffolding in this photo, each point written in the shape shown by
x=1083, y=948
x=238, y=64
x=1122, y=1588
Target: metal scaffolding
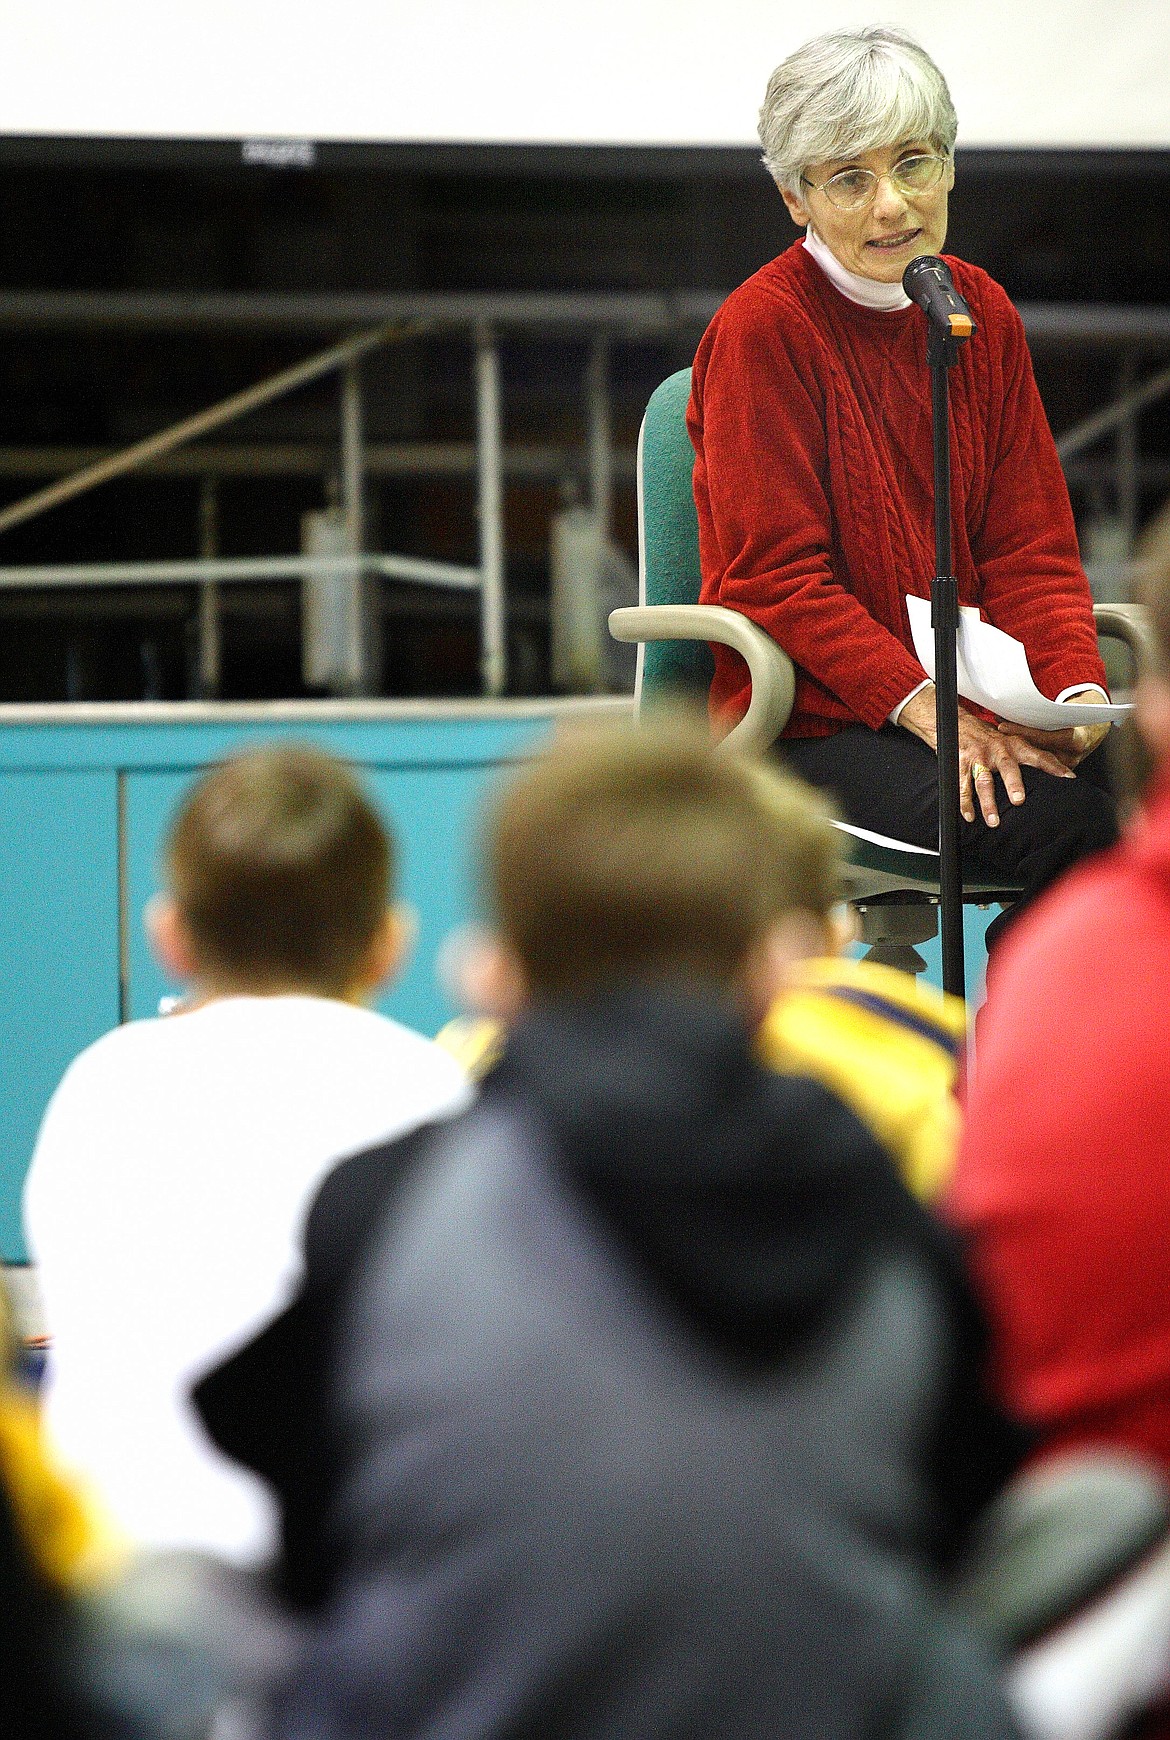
x=375, y=322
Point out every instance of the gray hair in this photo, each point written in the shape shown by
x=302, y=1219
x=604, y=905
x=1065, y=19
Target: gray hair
x=848, y=92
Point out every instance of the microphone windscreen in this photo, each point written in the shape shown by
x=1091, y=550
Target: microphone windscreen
x=925, y=266
x=927, y=281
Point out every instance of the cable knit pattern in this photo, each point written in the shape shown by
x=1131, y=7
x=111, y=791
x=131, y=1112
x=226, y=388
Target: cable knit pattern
x=810, y=418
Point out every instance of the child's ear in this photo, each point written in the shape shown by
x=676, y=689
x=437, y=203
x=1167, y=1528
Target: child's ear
x=769, y=965
x=842, y=928
x=492, y=979
x=389, y=949
x=169, y=938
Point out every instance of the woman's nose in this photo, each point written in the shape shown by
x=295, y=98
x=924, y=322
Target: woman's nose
x=888, y=202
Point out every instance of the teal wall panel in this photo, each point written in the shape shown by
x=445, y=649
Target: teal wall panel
x=421, y=740
x=58, y=949
x=975, y=922
x=435, y=815
x=150, y=801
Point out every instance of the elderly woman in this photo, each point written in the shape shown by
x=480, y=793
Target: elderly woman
x=810, y=417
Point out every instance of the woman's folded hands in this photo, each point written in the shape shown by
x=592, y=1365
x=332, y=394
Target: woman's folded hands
x=986, y=751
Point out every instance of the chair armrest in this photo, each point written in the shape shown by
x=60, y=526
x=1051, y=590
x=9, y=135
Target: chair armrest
x=1055, y=1537
x=773, y=676
x=1129, y=623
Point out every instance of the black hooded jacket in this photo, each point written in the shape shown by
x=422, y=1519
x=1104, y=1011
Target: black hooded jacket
x=751, y=1211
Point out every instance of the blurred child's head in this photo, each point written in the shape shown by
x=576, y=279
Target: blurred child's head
x=279, y=873
x=645, y=853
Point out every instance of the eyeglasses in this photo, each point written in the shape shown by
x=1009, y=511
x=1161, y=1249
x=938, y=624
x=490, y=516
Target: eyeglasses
x=853, y=189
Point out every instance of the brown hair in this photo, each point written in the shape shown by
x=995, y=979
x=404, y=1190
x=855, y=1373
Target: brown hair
x=638, y=852
x=281, y=868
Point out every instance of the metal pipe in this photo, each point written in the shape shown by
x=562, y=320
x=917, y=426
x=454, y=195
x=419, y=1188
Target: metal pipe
x=1102, y=422
x=210, y=645
x=190, y=428
x=352, y=456
x=490, y=511
x=419, y=569
x=647, y=313
x=454, y=311
x=423, y=570
x=600, y=435
x=359, y=617
x=526, y=461
x=942, y=354
x=542, y=463
x=1126, y=455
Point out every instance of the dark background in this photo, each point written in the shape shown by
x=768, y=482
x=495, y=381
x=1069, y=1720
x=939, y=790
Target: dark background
x=1051, y=226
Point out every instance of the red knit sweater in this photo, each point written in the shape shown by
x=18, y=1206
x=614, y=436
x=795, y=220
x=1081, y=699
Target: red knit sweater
x=810, y=418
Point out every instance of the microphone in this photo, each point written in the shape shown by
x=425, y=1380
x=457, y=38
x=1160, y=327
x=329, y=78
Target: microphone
x=927, y=281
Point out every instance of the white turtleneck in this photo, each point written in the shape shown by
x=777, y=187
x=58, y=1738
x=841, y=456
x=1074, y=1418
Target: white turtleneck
x=866, y=291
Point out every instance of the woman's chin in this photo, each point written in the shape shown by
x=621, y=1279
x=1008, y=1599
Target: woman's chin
x=885, y=269
x=886, y=265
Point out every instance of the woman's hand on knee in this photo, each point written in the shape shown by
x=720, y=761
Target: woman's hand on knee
x=984, y=752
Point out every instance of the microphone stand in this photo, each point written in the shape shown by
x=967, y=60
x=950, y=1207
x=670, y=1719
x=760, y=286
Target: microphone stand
x=942, y=352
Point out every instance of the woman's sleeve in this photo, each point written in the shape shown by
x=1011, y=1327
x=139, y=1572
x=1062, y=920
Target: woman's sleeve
x=1032, y=583
x=765, y=520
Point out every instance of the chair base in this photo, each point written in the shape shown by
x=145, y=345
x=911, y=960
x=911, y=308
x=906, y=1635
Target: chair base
x=900, y=955
x=892, y=923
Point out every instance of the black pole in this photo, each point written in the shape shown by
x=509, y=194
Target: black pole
x=942, y=352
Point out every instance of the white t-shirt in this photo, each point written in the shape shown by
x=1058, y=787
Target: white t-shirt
x=164, y=1208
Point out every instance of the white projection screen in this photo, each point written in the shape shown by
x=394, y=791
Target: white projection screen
x=1024, y=73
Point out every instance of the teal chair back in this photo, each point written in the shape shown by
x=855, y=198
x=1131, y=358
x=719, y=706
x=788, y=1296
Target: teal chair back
x=668, y=538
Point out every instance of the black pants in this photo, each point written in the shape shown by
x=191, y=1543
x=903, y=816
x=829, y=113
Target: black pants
x=887, y=781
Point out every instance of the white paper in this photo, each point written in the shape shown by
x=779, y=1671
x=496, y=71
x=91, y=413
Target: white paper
x=993, y=672
x=884, y=840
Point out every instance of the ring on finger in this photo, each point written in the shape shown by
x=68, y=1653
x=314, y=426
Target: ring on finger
x=977, y=767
